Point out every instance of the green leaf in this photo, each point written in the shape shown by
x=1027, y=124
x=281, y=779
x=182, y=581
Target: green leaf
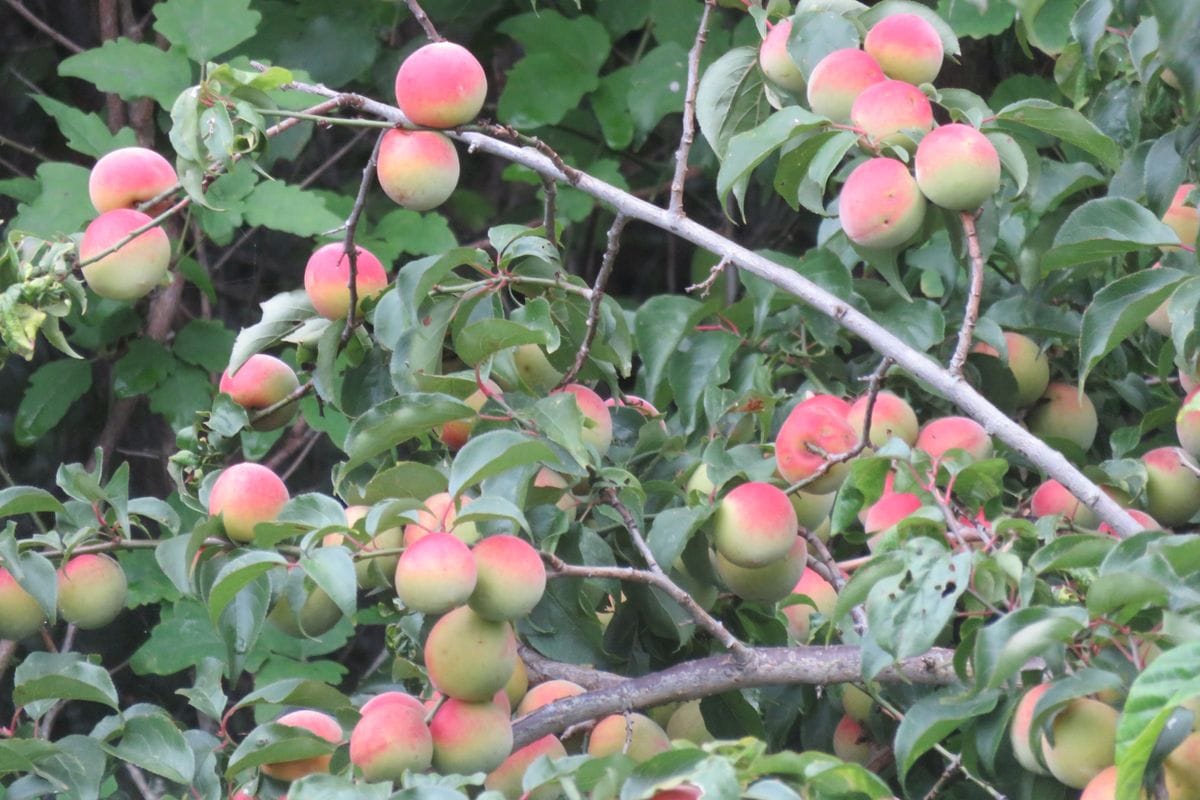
x=1103, y=228
x=969, y=18
x=280, y=207
x=51, y=391
x=1002, y=648
x=1066, y=124
x=658, y=328
x=153, y=743
x=62, y=204
x=132, y=70
x=62, y=676
x=273, y=742
x=145, y=365
x=398, y=420
x=729, y=716
x=205, y=343
x=206, y=695
x=730, y=98
x=1155, y=694
x=1079, y=551
x=492, y=453
x=85, y=133
x=282, y=315
x=1119, y=310
x=816, y=34
x=206, y=29
x=27, y=500
x=749, y=149
x=236, y=574
x=491, y=507
x=183, y=638
x=297, y=692
x=702, y=361
x=671, y=530
x=478, y=340
x=935, y=717
x=332, y=570
x=1179, y=35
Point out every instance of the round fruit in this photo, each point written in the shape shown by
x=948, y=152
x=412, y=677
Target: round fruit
x=776, y=62
x=890, y=416
x=470, y=737
x=765, y=584
x=886, y=111
x=417, y=169
x=260, y=382
x=547, y=692
x=1064, y=413
x=136, y=267
x=957, y=167
x=441, y=85
x=468, y=657
x=507, y=777
x=390, y=741
x=907, y=47
x=20, y=614
x=245, y=495
x=838, y=79
x=880, y=205
x=815, y=426
x=950, y=433
x=512, y=578
x=755, y=525
x=91, y=590
x=597, y=420
x=435, y=574
x=1028, y=364
x=129, y=176
x=327, y=279
x=646, y=739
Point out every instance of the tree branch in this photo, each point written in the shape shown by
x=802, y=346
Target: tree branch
x=348, y=246
x=42, y=26
x=431, y=32
x=974, y=293
x=689, y=110
x=593, y=317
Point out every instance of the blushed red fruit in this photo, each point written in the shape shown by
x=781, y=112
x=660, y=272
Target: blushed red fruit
x=890, y=416
x=417, y=169
x=387, y=699
x=327, y=279
x=638, y=404
x=1022, y=728
x=512, y=578
x=441, y=85
x=755, y=525
x=851, y=742
x=823, y=595
x=775, y=61
x=435, y=574
x=317, y=723
x=1051, y=498
x=948, y=433
x=1147, y=522
x=506, y=778
x=1172, y=486
x=547, y=692
x=468, y=657
x=765, y=584
x=597, y=420
x=889, y=510
x=957, y=167
x=838, y=79
x=1085, y=734
x=441, y=515
x=20, y=614
x=259, y=383
x=886, y=111
x=470, y=737
x=91, y=590
x=1065, y=414
x=456, y=432
x=245, y=495
x=389, y=741
x=136, y=267
x=1028, y=364
x=907, y=48
x=648, y=739
x=880, y=205
x=823, y=425
x=1184, y=219
x=129, y=176
x=1187, y=423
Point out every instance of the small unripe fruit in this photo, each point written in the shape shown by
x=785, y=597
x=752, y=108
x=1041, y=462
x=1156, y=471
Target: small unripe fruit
x=1085, y=733
x=799, y=615
x=245, y=495
x=765, y=584
x=512, y=578
x=547, y=692
x=1172, y=486
x=440, y=516
x=1022, y=728
x=755, y=525
x=597, y=419
x=1182, y=218
x=1065, y=414
x=129, y=176
x=322, y=725
x=1028, y=364
x=890, y=416
x=1051, y=498
x=376, y=571
x=417, y=169
x=776, y=62
x=838, y=79
x=91, y=591
x=957, y=167
x=820, y=421
x=327, y=279
x=470, y=737
x=259, y=383
x=906, y=47
x=20, y=614
x=441, y=85
x=1187, y=423
x=609, y=737
x=136, y=267
x=856, y=703
x=389, y=741
x=948, y=433
x=535, y=369
x=880, y=205
x=435, y=574
x=687, y=723
x=851, y=742
x=468, y=657
x=317, y=615
x=507, y=777
x=886, y=111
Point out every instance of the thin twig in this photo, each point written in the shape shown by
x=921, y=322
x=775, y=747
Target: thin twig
x=349, y=247
x=138, y=778
x=593, y=317
x=426, y=24
x=293, y=396
x=42, y=26
x=550, y=216
x=822, y=561
x=706, y=285
x=974, y=293
x=948, y=774
x=689, y=110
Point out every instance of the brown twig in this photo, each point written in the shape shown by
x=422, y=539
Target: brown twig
x=689, y=110
x=360, y=202
x=42, y=26
x=593, y=317
x=706, y=285
x=422, y=18
x=974, y=293
x=550, y=216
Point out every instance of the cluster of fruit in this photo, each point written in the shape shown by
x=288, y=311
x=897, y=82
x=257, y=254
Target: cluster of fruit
x=875, y=91
x=91, y=591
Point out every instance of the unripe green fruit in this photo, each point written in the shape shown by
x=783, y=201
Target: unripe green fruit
x=20, y=614
x=136, y=267
x=470, y=737
x=1028, y=364
x=957, y=167
x=1172, y=486
x=511, y=578
x=317, y=616
x=468, y=657
x=435, y=574
x=1085, y=733
x=1064, y=414
x=535, y=369
x=261, y=382
x=856, y=703
x=417, y=169
x=91, y=591
x=507, y=777
x=880, y=205
x=766, y=584
x=776, y=62
x=517, y=685
x=688, y=723
x=890, y=416
x=647, y=739
x=389, y=741
x=1187, y=423
x=755, y=525
x=1181, y=770
x=907, y=48
x=838, y=79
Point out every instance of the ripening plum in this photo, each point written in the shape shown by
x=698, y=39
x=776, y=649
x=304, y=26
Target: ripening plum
x=1181, y=770
x=470, y=736
x=456, y=432
x=534, y=369
x=1028, y=364
x=327, y=279
x=418, y=169
x=512, y=578
x=1172, y=486
x=20, y=613
x=1051, y=498
x=547, y=692
x=958, y=168
x=1064, y=413
x=316, y=617
x=597, y=419
x=136, y=267
x=386, y=699
x=1187, y=423
x=1182, y=218
x=948, y=433
x=440, y=514
x=776, y=62
x=838, y=79
x=126, y=177
x=468, y=657
x=435, y=574
x=389, y=740
x=648, y=739
x=261, y=382
x=755, y=525
x=799, y=615
x=507, y=777
x=244, y=495
x=890, y=416
x=880, y=205
x=1021, y=731
x=92, y=589
x=907, y=48
x=441, y=85
x=1085, y=734
x=886, y=111
x=317, y=723
x=851, y=741
x=821, y=422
